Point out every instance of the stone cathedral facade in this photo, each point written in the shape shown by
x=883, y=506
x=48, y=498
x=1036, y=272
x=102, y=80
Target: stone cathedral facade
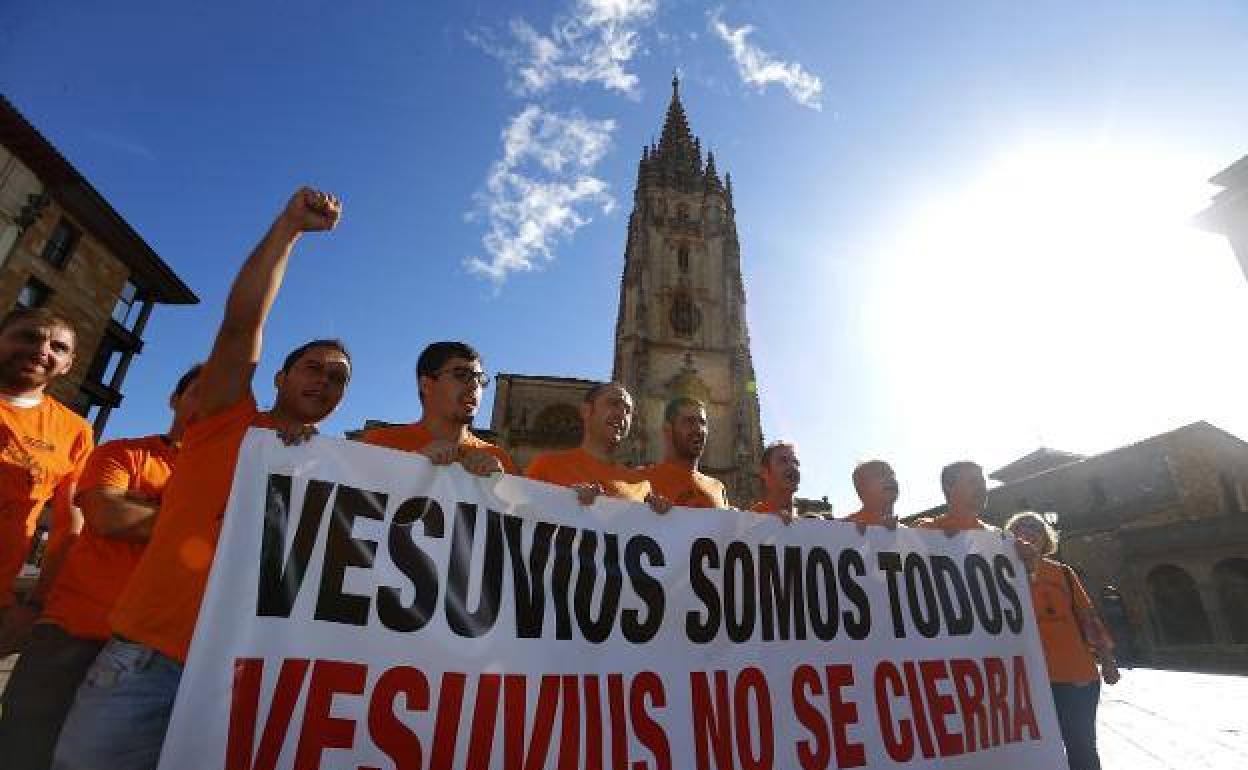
x=680, y=329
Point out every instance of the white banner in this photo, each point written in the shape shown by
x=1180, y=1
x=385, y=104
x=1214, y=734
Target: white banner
x=367, y=610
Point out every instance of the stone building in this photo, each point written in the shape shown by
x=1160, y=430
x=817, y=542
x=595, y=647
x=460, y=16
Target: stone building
x=534, y=414
x=680, y=328
x=63, y=246
x=1228, y=214
x=1165, y=521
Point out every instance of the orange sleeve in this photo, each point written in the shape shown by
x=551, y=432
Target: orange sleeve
x=236, y=417
x=376, y=437
x=1079, y=596
x=84, y=446
x=112, y=465
x=64, y=498
x=504, y=459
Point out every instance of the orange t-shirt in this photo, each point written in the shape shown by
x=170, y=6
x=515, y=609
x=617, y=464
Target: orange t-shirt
x=762, y=506
x=98, y=567
x=576, y=466
x=415, y=437
x=1068, y=656
x=869, y=518
x=160, y=604
x=686, y=487
x=951, y=523
x=42, y=449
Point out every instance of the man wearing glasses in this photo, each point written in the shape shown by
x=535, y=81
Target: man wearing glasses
x=450, y=381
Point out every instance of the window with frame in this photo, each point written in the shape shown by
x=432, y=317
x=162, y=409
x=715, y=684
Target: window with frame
x=126, y=311
x=684, y=316
x=34, y=293
x=61, y=243
x=93, y=412
x=107, y=358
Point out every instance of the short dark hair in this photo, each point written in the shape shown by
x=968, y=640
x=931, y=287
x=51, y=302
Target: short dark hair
x=435, y=356
x=40, y=315
x=950, y=474
x=772, y=448
x=293, y=356
x=601, y=388
x=680, y=402
x=186, y=379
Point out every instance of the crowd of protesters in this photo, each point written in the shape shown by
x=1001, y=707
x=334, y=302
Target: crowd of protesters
x=104, y=634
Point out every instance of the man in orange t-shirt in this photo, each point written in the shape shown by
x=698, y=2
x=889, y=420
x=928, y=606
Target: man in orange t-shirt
x=684, y=439
x=877, y=488
x=119, y=717
x=450, y=380
x=590, y=470
x=781, y=473
x=966, y=497
x=43, y=447
x=119, y=494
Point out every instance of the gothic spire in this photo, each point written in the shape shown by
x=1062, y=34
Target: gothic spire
x=676, y=142
x=712, y=175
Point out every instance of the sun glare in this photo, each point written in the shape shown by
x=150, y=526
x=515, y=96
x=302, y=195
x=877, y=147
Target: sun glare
x=1063, y=297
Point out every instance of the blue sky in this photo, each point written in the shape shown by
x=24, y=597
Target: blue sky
x=963, y=225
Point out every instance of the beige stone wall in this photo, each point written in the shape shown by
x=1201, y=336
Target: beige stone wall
x=517, y=405
x=1209, y=473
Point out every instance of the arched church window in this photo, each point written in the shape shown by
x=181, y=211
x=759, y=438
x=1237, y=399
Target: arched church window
x=1176, y=600
x=685, y=316
x=558, y=425
x=682, y=258
x=1231, y=578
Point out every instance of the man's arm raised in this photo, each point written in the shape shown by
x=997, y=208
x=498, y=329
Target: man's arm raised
x=226, y=376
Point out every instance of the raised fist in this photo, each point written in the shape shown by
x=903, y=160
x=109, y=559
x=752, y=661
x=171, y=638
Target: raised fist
x=312, y=211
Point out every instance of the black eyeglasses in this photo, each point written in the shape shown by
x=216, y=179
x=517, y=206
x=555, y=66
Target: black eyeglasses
x=467, y=376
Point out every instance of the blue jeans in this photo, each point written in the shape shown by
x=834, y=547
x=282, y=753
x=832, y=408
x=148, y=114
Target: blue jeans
x=40, y=693
x=1076, y=716
x=121, y=712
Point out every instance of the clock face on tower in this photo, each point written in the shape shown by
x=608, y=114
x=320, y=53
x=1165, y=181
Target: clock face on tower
x=685, y=316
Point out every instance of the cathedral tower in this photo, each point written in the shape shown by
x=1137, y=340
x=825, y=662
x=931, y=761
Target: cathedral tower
x=681, y=325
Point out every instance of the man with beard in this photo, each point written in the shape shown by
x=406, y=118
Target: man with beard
x=43, y=447
x=781, y=473
x=119, y=493
x=876, y=485
x=590, y=470
x=120, y=715
x=684, y=439
x=450, y=380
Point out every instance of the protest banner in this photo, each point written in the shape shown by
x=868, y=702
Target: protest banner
x=368, y=610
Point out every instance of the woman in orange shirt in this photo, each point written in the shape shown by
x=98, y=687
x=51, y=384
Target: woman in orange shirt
x=1073, y=638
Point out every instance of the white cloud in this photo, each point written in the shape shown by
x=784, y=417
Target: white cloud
x=540, y=189
x=592, y=43
x=759, y=68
